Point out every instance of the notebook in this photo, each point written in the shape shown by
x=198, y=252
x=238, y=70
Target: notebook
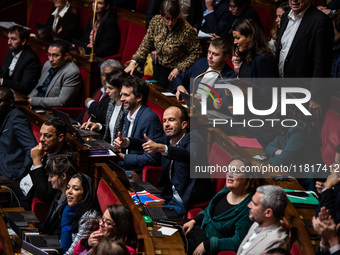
x=49, y=242
x=22, y=218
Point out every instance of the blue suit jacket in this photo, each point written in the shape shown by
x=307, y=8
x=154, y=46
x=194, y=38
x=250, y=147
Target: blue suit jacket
x=200, y=66
x=189, y=189
x=16, y=142
x=216, y=21
x=146, y=122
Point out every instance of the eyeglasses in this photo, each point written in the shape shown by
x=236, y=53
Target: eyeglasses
x=106, y=222
x=232, y=6
x=235, y=174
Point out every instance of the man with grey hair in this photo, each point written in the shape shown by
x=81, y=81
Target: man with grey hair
x=96, y=106
x=266, y=209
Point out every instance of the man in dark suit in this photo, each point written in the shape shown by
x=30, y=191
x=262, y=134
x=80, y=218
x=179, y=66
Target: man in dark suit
x=216, y=16
x=219, y=51
x=178, y=147
x=331, y=7
x=304, y=49
x=139, y=121
x=34, y=184
x=21, y=68
x=16, y=137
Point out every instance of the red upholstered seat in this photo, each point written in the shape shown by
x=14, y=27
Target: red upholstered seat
x=36, y=133
x=152, y=174
x=42, y=56
x=141, y=6
x=84, y=15
x=4, y=47
x=156, y=109
x=330, y=136
x=295, y=249
x=221, y=158
x=40, y=11
x=265, y=17
x=40, y=209
x=226, y=253
x=134, y=38
x=105, y=196
x=217, y=157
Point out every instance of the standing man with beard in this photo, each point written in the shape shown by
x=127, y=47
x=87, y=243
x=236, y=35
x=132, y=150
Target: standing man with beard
x=21, y=68
x=35, y=183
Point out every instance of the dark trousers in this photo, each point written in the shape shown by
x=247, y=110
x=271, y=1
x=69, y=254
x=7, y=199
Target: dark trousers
x=161, y=74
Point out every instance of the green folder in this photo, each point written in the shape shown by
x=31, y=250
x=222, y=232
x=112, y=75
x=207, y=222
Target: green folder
x=301, y=197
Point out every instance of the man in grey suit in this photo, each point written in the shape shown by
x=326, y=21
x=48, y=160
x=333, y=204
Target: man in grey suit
x=266, y=209
x=60, y=79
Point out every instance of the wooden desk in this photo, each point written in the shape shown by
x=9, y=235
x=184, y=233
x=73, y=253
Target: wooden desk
x=6, y=246
x=145, y=244
x=159, y=99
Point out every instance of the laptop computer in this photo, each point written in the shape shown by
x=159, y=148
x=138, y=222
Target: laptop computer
x=156, y=213
x=25, y=246
x=48, y=242
x=132, y=186
x=78, y=133
x=66, y=117
x=22, y=218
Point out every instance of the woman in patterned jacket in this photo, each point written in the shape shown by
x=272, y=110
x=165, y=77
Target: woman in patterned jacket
x=175, y=41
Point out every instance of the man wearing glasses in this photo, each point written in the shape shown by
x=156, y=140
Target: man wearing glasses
x=60, y=79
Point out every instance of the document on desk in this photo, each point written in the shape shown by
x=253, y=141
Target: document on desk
x=247, y=142
x=167, y=231
x=168, y=94
x=8, y=24
x=201, y=34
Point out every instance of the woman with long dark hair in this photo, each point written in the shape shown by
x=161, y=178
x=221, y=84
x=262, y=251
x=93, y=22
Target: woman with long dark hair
x=115, y=114
x=105, y=30
x=117, y=225
x=60, y=169
x=80, y=215
x=257, y=62
x=274, y=33
x=252, y=48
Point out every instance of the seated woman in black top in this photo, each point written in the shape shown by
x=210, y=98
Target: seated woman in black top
x=64, y=21
x=105, y=32
x=60, y=169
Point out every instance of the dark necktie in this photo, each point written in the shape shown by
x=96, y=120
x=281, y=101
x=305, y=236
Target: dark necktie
x=43, y=88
